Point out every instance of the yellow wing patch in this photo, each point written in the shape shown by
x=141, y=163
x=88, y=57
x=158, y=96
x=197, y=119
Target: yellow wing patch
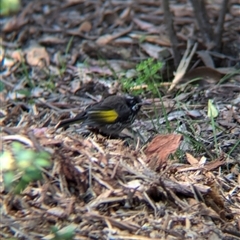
x=107, y=116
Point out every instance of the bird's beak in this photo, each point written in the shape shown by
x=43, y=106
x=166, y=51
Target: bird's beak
x=145, y=102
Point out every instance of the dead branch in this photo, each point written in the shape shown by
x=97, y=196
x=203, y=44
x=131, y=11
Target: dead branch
x=203, y=22
x=171, y=32
x=219, y=29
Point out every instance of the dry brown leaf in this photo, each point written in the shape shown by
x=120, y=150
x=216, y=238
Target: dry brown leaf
x=205, y=75
x=215, y=164
x=192, y=160
x=86, y=26
x=105, y=39
x=146, y=26
x=14, y=24
x=126, y=13
x=37, y=56
x=155, y=51
x=51, y=40
x=206, y=58
x=48, y=142
x=162, y=40
x=94, y=50
x=17, y=55
x=161, y=147
x=182, y=10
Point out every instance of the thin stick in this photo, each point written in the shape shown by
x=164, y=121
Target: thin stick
x=182, y=68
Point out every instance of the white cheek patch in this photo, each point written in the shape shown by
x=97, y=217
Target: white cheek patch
x=135, y=107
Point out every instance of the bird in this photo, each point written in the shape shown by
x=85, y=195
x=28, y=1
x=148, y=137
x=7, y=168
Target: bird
x=109, y=116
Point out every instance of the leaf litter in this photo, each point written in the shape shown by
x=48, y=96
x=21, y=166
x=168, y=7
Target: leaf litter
x=106, y=188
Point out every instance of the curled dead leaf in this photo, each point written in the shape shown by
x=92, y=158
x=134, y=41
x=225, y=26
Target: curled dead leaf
x=160, y=148
x=37, y=56
x=204, y=76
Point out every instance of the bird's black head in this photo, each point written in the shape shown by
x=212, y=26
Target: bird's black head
x=134, y=103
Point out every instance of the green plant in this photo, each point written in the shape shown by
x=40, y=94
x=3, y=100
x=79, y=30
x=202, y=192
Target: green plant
x=228, y=76
x=234, y=147
x=147, y=74
x=62, y=64
x=26, y=74
x=21, y=166
x=66, y=233
x=147, y=77
x=69, y=45
x=212, y=114
x=9, y=6
x=1, y=86
x=196, y=144
x=62, y=58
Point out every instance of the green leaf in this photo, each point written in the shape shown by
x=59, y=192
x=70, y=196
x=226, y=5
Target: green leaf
x=41, y=162
x=24, y=92
x=31, y=175
x=20, y=186
x=67, y=232
x=1, y=86
x=8, y=6
x=8, y=178
x=212, y=110
x=25, y=159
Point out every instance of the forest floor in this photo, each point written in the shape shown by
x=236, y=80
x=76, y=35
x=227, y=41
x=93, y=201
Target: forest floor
x=175, y=175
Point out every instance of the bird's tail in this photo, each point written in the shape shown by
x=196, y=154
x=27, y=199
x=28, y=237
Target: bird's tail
x=66, y=122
